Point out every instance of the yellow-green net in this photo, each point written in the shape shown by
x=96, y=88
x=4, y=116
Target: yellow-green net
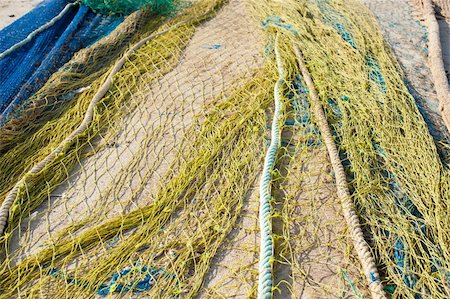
x=397, y=179
x=158, y=197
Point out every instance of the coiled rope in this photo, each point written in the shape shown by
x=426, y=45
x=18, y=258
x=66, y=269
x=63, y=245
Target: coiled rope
x=266, y=242
x=7, y=203
x=362, y=249
x=437, y=62
x=47, y=25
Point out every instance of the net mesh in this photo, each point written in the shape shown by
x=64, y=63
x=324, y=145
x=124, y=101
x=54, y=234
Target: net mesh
x=126, y=7
x=158, y=197
x=397, y=179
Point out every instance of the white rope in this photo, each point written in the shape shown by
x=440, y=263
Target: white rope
x=38, y=30
x=265, y=223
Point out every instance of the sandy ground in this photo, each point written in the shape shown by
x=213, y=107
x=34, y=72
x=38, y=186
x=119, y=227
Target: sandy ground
x=11, y=10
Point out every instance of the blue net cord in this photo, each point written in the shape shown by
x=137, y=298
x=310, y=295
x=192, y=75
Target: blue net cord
x=148, y=277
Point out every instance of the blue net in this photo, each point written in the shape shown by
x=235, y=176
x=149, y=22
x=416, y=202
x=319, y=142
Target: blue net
x=28, y=68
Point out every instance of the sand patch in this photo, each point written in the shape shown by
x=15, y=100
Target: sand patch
x=11, y=10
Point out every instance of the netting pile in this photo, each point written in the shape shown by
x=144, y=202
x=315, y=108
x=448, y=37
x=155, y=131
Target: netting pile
x=398, y=181
x=158, y=196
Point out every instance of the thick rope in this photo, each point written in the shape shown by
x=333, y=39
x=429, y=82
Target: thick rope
x=47, y=25
x=362, y=249
x=265, y=224
x=437, y=62
x=6, y=204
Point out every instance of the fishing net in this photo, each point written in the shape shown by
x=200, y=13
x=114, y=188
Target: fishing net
x=126, y=7
x=397, y=179
x=158, y=196
x=52, y=32
x=167, y=146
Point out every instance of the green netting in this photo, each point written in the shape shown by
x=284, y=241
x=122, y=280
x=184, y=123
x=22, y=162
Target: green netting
x=398, y=180
x=125, y=7
x=159, y=196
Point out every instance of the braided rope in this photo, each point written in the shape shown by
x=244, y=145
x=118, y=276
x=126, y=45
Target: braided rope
x=38, y=30
x=362, y=249
x=437, y=62
x=7, y=203
x=266, y=247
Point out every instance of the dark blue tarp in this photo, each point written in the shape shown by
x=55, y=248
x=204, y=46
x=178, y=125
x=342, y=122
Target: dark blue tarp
x=25, y=71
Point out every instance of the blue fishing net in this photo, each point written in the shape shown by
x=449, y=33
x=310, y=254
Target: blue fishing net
x=27, y=69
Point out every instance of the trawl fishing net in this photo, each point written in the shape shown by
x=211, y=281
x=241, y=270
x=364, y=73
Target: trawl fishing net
x=136, y=170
